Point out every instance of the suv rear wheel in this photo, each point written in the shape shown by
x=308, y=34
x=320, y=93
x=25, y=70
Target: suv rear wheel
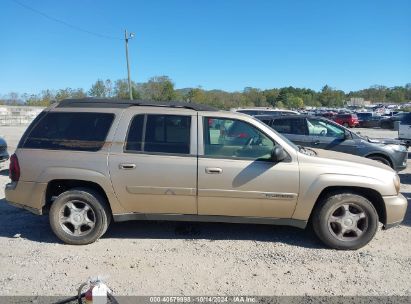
x=345, y=221
x=79, y=216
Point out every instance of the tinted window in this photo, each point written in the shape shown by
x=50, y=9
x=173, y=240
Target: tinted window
x=70, y=131
x=135, y=134
x=249, y=112
x=162, y=133
x=364, y=115
x=227, y=138
x=272, y=113
x=290, y=126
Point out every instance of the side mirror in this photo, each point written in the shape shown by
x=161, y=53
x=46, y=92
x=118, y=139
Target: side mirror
x=347, y=135
x=278, y=154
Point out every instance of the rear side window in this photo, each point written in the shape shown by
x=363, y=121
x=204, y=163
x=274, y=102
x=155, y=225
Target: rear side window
x=290, y=126
x=70, y=131
x=159, y=133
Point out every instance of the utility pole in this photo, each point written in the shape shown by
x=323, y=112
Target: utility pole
x=126, y=38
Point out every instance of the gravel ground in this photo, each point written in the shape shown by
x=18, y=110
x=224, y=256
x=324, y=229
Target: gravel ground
x=160, y=258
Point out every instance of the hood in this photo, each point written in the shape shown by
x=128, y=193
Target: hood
x=353, y=159
x=386, y=141
x=382, y=141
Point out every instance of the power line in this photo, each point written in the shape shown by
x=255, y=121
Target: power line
x=65, y=23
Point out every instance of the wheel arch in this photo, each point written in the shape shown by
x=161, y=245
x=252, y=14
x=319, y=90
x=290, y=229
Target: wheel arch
x=57, y=186
x=372, y=195
x=380, y=154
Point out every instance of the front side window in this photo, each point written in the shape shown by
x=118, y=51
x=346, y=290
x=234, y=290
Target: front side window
x=78, y=131
x=159, y=133
x=228, y=138
x=322, y=128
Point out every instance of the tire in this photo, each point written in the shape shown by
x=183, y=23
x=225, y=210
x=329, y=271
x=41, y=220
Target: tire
x=346, y=125
x=355, y=229
x=381, y=159
x=69, y=211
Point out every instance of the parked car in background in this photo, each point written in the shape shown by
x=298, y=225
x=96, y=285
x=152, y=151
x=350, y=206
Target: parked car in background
x=347, y=120
x=404, y=130
x=316, y=132
x=4, y=155
x=88, y=162
x=370, y=122
x=265, y=111
x=388, y=122
x=328, y=115
x=364, y=115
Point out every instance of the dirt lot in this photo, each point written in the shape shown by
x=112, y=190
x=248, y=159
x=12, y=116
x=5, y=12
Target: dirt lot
x=157, y=258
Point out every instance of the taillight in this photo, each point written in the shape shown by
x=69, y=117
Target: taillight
x=14, y=168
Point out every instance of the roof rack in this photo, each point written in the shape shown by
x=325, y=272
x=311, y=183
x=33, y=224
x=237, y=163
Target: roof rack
x=124, y=103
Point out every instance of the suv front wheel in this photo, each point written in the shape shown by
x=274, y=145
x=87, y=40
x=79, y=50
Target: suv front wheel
x=79, y=216
x=345, y=221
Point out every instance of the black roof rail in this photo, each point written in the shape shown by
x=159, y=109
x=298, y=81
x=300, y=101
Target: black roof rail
x=124, y=103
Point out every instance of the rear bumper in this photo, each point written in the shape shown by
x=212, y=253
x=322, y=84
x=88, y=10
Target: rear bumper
x=26, y=195
x=395, y=208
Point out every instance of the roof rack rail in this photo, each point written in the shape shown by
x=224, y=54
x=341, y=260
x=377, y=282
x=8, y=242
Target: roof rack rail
x=124, y=103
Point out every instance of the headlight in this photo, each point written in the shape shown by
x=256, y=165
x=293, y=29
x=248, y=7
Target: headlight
x=397, y=183
x=399, y=148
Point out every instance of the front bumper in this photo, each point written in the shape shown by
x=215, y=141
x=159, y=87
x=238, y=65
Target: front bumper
x=400, y=160
x=395, y=208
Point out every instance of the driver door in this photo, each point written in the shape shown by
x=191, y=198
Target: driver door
x=236, y=176
x=329, y=136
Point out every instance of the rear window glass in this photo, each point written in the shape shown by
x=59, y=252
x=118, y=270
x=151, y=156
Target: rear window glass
x=290, y=126
x=70, y=131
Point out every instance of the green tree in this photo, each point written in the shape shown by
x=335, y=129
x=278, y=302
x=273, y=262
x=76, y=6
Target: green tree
x=98, y=89
x=255, y=97
x=294, y=102
x=120, y=89
x=330, y=97
x=159, y=88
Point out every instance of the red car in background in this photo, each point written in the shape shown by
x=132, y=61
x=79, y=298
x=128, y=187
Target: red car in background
x=347, y=120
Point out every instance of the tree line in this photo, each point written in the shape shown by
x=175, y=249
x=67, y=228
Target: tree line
x=161, y=88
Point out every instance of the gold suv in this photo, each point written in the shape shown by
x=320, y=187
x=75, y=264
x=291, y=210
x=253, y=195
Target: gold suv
x=86, y=162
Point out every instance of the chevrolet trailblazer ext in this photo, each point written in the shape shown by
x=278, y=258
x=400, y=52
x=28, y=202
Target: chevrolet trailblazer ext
x=86, y=162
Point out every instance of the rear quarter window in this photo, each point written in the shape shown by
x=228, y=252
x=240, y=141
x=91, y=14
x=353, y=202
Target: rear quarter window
x=76, y=131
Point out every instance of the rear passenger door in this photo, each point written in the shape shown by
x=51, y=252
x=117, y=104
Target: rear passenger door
x=295, y=129
x=153, y=163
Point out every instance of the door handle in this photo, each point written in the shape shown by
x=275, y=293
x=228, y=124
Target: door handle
x=317, y=142
x=213, y=170
x=127, y=166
